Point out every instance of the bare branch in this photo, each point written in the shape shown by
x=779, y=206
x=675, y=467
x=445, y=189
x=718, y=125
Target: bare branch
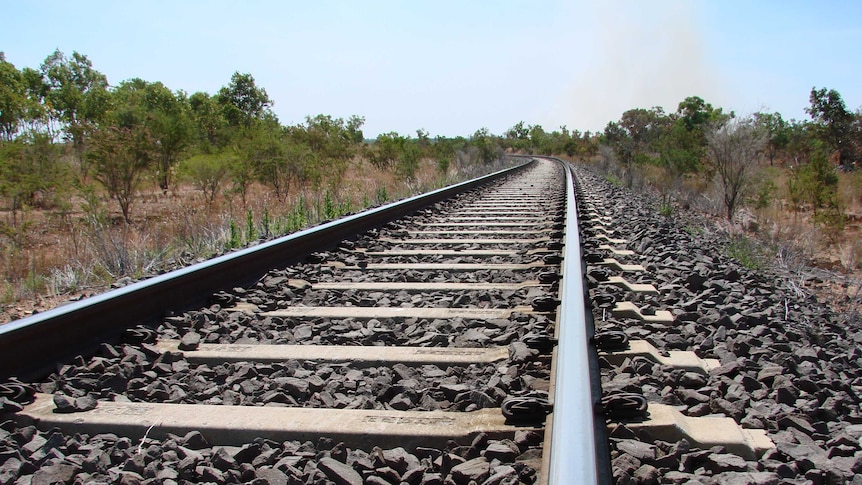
x=734, y=150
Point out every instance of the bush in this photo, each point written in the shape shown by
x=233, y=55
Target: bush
x=815, y=183
x=206, y=172
x=764, y=193
x=666, y=209
x=747, y=252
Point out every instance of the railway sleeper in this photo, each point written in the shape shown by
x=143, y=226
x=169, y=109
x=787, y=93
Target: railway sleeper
x=236, y=425
x=357, y=356
x=614, y=264
x=627, y=309
x=665, y=423
x=678, y=359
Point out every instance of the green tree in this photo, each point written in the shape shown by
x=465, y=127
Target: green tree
x=275, y=160
x=354, y=129
x=331, y=140
x=517, y=137
x=13, y=99
x=37, y=114
x=778, y=133
x=209, y=121
x=800, y=139
x=170, y=127
x=443, y=149
x=241, y=173
x=77, y=96
x=206, y=172
x=385, y=150
x=423, y=141
x=640, y=137
x=684, y=146
x=164, y=113
x=620, y=141
x=486, y=144
x=835, y=124
x=816, y=182
x=244, y=103
x=31, y=172
x=646, y=127
x=539, y=140
x=121, y=155
x=408, y=161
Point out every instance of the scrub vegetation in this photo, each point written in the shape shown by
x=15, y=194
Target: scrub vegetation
x=103, y=183
x=789, y=191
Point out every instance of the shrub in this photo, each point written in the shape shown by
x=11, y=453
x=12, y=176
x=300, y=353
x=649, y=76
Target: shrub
x=747, y=252
x=814, y=183
x=206, y=172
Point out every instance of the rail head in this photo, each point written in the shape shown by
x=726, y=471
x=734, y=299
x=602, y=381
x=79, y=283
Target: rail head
x=577, y=447
x=32, y=346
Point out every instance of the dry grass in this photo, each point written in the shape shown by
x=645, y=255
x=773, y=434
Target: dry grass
x=801, y=246
x=49, y=257
x=782, y=234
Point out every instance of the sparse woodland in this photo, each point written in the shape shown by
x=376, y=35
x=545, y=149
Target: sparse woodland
x=789, y=191
x=105, y=182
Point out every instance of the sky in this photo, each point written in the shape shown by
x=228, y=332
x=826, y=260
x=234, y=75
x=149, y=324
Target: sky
x=451, y=67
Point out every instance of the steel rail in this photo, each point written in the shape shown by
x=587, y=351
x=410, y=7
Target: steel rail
x=578, y=445
x=32, y=346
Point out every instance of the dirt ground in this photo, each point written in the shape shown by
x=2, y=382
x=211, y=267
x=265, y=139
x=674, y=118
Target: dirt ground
x=51, y=244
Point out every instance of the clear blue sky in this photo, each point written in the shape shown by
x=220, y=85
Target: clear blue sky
x=453, y=66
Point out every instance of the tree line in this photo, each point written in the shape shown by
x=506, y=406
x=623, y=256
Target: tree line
x=63, y=125
x=702, y=142
x=65, y=130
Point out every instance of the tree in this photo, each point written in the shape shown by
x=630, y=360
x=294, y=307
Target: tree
x=30, y=171
x=538, y=140
x=684, y=146
x=77, y=96
x=275, y=160
x=328, y=137
x=642, y=136
x=816, y=182
x=243, y=102
x=13, y=99
x=384, y=152
x=800, y=139
x=733, y=150
x=486, y=144
x=170, y=127
x=518, y=137
x=209, y=121
x=206, y=172
x=164, y=113
x=443, y=150
x=354, y=129
x=332, y=141
x=423, y=141
x=777, y=130
x=834, y=122
x=408, y=160
x=37, y=114
x=241, y=174
x=121, y=155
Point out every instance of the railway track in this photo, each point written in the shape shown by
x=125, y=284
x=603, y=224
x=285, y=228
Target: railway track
x=420, y=348
x=478, y=334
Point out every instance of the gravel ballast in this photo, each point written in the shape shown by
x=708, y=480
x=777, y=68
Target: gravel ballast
x=788, y=364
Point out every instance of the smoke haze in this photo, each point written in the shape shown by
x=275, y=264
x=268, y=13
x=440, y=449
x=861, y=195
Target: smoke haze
x=636, y=55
